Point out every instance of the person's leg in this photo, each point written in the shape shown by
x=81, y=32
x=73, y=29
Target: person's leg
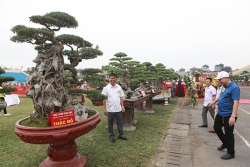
x=204, y=115
x=174, y=90
x=218, y=124
x=229, y=136
x=119, y=121
x=211, y=111
x=111, y=117
x=4, y=110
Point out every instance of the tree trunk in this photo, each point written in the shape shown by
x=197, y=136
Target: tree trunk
x=46, y=82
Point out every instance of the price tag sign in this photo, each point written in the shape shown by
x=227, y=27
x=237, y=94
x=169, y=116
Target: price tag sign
x=143, y=93
x=62, y=118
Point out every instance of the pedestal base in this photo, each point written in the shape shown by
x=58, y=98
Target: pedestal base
x=77, y=161
x=129, y=128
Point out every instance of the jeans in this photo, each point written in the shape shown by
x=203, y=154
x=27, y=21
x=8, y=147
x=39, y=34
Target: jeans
x=226, y=138
x=119, y=121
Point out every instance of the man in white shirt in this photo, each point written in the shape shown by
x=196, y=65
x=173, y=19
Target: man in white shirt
x=113, y=107
x=210, y=93
x=218, y=91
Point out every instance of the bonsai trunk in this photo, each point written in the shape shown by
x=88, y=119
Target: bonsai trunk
x=46, y=82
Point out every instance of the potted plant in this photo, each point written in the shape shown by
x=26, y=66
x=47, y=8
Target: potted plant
x=48, y=86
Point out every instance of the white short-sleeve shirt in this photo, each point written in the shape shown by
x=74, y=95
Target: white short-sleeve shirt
x=114, y=93
x=209, y=92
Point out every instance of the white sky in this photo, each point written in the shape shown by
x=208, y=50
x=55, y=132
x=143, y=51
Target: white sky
x=177, y=33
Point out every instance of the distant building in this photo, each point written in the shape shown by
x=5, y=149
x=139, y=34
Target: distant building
x=181, y=72
x=239, y=71
x=194, y=69
x=205, y=68
x=218, y=67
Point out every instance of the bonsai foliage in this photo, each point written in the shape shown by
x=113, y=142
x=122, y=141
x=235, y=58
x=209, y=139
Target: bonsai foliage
x=119, y=65
x=6, y=89
x=47, y=79
x=94, y=77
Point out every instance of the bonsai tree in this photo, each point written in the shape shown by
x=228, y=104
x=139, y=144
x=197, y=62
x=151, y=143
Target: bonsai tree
x=6, y=89
x=47, y=78
x=119, y=65
x=145, y=73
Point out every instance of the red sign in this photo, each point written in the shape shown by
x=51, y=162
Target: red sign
x=62, y=118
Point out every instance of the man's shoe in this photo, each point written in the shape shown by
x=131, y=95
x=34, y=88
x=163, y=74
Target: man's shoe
x=203, y=126
x=211, y=131
x=112, y=140
x=122, y=137
x=6, y=114
x=227, y=156
x=222, y=147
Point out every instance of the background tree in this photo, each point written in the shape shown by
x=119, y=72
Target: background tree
x=94, y=77
x=47, y=78
x=226, y=68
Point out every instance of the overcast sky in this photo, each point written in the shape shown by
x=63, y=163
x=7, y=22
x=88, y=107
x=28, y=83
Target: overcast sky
x=177, y=33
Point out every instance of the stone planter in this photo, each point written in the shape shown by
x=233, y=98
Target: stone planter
x=75, y=98
x=62, y=150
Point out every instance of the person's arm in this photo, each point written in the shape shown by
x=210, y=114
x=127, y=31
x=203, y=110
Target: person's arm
x=122, y=104
x=105, y=107
x=215, y=101
x=234, y=113
x=105, y=102
x=213, y=105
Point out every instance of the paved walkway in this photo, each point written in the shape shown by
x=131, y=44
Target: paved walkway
x=185, y=144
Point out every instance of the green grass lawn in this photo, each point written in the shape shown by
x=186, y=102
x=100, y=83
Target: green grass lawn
x=137, y=151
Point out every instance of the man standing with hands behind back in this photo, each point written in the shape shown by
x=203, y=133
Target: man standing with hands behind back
x=227, y=114
x=113, y=107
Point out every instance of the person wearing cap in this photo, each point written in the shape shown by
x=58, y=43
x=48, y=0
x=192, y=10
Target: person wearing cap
x=218, y=91
x=114, y=107
x=228, y=103
x=210, y=93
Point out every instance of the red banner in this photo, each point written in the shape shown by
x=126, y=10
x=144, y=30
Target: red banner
x=62, y=118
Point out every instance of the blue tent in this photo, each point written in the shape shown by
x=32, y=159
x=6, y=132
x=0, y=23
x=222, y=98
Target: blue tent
x=19, y=76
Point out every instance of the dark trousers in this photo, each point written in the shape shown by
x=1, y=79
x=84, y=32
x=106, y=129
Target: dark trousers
x=226, y=138
x=179, y=91
x=173, y=92
x=4, y=110
x=204, y=113
x=119, y=121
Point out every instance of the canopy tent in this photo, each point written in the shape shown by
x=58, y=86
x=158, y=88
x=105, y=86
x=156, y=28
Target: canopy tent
x=18, y=75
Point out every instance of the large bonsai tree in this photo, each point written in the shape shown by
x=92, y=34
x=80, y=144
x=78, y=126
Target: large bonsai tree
x=6, y=89
x=47, y=78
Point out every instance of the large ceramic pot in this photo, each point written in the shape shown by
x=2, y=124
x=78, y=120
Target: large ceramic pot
x=62, y=150
x=3, y=104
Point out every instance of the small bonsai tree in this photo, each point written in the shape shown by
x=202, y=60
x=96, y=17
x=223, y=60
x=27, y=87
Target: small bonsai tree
x=6, y=89
x=47, y=78
x=119, y=65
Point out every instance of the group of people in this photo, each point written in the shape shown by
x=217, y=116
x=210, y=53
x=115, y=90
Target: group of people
x=222, y=105
x=173, y=89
